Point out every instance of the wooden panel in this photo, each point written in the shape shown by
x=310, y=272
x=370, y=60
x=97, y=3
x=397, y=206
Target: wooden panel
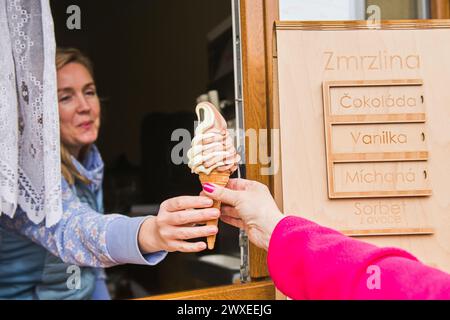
x=440, y=9
x=276, y=187
x=388, y=232
x=368, y=123
x=257, y=20
x=258, y=290
x=378, y=118
x=363, y=25
x=377, y=216
x=377, y=100
x=378, y=138
x=419, y=223
x=370, y=157
x=272, y=10
x=255, y=99
x=381, y=179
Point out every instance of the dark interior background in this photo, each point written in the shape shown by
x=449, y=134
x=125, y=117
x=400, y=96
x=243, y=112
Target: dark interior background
x=152, y=60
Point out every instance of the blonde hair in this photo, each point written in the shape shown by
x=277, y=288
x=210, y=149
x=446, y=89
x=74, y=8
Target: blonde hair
x=65, y=56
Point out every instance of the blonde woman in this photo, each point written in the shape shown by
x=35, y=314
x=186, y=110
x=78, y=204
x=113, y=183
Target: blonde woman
x=84, y=236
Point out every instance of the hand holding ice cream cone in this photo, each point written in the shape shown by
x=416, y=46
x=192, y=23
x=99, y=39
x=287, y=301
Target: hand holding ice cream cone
x=212, y=155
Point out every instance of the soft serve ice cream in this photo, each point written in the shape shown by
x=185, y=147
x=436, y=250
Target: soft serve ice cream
x=212, y=154
x=212, y=146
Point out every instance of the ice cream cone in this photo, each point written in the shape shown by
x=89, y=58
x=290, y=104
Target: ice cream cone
x=221, y=179
x=212, y=154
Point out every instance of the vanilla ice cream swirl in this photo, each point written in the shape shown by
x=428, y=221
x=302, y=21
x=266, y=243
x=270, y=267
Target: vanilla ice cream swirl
x=212, y=147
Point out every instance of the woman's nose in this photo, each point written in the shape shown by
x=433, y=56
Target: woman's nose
x=83, y=104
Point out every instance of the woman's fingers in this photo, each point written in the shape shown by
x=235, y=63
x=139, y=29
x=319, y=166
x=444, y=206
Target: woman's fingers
x=186, y=233
x=183, y=217
x=229, y=211
x=238, y=223
x=222, y=194
x=226, y=209
x=186, y=202
x=183, y=246
x=238, y=184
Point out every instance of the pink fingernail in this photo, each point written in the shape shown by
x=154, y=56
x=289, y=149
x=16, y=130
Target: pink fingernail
x=208, y=187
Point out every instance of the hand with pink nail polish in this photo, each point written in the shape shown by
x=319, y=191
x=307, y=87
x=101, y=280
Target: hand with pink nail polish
x=247, y=205
x=175, y=223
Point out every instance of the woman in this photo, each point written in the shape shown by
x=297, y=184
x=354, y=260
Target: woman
x=83, y=236
x=308, y=261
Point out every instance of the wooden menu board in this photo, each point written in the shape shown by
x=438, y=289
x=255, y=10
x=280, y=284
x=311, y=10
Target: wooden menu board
x=365, y=130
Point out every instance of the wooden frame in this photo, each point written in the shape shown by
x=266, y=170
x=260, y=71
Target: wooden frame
x=260, y=290
x=257, y=20
x=440, y=9
x=333, y=120
x=363, y=25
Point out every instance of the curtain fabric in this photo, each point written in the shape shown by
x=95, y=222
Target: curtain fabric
x=30, y=167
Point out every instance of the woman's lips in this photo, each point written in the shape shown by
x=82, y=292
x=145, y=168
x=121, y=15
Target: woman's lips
x=86, y=125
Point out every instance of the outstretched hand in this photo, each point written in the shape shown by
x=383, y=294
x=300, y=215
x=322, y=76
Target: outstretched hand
x=247, y=205
x=176, y=222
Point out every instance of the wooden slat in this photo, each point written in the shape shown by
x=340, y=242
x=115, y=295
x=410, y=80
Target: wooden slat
x=380, y=194
x=272, y=10
x=257, y=19
x=388, y=232
x=357, y=25
x=276, y=187
x=381, y=156
x=378, y=118
x=440, y=9
x=257, y=290
x=381, y=83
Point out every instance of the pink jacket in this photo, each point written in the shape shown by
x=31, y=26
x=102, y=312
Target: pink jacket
x=308, y=261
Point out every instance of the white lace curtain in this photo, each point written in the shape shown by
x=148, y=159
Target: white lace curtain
x=30, y=168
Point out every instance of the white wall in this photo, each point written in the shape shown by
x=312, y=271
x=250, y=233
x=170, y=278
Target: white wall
x=322, y=9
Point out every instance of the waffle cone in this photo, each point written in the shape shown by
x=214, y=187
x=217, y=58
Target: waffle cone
x=221, y=179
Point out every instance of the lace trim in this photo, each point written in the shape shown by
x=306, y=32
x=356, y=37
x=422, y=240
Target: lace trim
x=29, y=123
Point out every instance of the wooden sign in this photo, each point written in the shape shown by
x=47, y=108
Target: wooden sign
x=365, y=130
x=375, y=138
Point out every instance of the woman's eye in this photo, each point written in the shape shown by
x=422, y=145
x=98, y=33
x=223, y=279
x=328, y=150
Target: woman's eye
x=64, y=98
x=91, y=93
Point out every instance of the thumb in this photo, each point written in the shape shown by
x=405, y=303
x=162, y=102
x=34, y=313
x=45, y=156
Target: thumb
x=221, y=194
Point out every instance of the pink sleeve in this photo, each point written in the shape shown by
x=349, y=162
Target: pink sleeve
x=307, y=261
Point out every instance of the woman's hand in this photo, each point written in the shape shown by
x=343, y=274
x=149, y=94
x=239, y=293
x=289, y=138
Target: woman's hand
x=175, y=223
x=250, y=206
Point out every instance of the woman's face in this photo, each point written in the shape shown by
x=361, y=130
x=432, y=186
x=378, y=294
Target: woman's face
x=79, y=107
